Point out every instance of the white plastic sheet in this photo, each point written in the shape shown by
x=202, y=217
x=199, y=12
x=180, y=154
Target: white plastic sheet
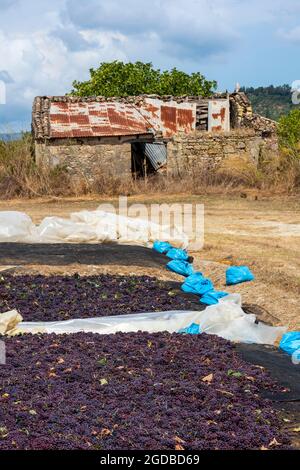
x=9, y=321
x=86, y=227
x=16, y=227
x=227, y=319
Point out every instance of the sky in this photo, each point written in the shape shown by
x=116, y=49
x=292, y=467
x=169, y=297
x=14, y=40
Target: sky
x=46, y=45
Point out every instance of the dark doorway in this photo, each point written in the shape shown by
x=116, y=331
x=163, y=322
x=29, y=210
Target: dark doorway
x=148, y=158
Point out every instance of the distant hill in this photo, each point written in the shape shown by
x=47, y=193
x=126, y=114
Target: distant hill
x=271, y=101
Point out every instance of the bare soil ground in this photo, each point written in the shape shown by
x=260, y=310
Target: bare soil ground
x=263, y=233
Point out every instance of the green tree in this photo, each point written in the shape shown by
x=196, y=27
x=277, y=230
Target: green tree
x=130, y=79
x=289, y=132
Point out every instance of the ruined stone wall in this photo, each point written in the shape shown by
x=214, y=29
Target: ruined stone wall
x=85, y=159
x=88, y=158
x=240, y=109
x=188, y=153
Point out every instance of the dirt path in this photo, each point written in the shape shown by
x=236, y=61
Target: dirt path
x=264, y=234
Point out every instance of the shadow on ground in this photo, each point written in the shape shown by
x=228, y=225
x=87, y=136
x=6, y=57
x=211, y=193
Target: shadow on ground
x=59, y=254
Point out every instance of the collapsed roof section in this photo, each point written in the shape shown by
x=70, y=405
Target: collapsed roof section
x=75, y=117
x=149, y=116
x=68, y=118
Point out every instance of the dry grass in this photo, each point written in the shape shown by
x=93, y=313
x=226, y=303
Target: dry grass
x=273, y=173
x=277, y=175
x=21, y=177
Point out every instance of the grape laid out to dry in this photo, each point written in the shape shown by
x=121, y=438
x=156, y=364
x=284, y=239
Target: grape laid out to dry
x=132, y=391
x=54, y=298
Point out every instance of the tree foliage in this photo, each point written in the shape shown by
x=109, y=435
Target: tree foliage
x=130, y=79
x=282, y=90
x=270, y=101
x=289, y=132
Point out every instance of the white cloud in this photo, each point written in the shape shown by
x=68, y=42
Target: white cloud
x=42, y=64
x=292, y=35
x=193, y=27
x=45, y=45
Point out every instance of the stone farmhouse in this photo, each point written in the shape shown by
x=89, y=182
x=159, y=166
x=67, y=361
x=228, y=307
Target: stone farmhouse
x=146, y=134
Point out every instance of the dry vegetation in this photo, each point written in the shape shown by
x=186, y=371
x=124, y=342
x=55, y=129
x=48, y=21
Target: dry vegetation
x=21, y=177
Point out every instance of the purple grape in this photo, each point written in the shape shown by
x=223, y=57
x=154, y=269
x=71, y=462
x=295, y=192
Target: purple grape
x=61, y=297
x=133, y=391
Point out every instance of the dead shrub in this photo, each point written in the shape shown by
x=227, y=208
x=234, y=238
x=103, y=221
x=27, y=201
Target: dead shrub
x=280, y=172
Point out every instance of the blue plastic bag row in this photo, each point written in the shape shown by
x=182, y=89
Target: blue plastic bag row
x=167, y=249
x=161, y=247
x=290, y=343
x=180, y=267
x=197, y=284
x=237, y=274
x=193, y=329
x=177, y=253
x=212, y=297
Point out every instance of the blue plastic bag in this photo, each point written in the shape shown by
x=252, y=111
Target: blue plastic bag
x=180, y=267
x=290, y=343
x=177, y=253
x=212, y=297
x=191, y=281
x=197, y=284
x=161, y=247
x=193, y=329
x=237, y=274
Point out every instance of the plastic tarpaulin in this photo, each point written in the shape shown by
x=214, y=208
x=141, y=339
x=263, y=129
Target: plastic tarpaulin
x=16, y=227
x=85, y=227
x=9, y=321
x=226, y=319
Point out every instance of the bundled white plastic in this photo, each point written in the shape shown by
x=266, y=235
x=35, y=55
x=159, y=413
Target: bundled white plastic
x=58, y=230
x=86, y=227
x=16, y=227
x=226, y=319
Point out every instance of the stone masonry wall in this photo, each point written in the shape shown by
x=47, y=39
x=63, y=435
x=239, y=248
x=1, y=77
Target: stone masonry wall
x=86, y=159
x=211, y=150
